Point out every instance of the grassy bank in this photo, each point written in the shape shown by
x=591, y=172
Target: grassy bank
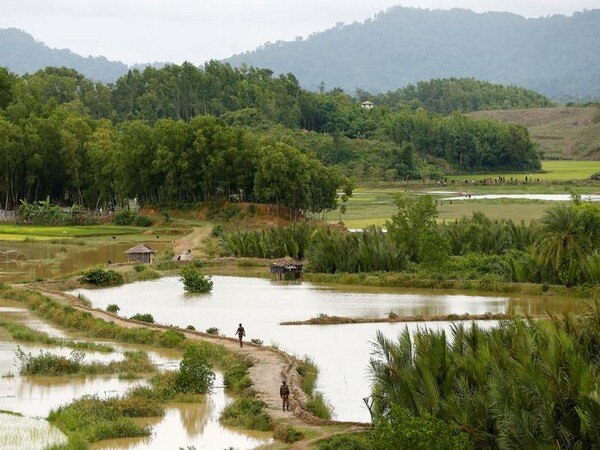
x=23, y=333
x=324, y=319
x=418, y=281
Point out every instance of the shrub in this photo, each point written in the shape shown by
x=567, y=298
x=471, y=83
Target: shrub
x=142, y=221
x=288, y=434
x=247, y=412
x=191, y=328
x=194, y=281
x=256, y=341
x=402, y=430
x=217, y=231
x=212, y=330
x=124, y=217
x=48, y=364
x=350, y=441
x=112, y=308
x=102, y=277
x=171, y=339
x=138, y=267
x=143, y=317
x=195, y=374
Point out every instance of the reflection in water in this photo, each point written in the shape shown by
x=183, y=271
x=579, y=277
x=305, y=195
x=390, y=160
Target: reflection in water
x=49, y=260
x=342, y=352
x=192, y=424
x=183, y=425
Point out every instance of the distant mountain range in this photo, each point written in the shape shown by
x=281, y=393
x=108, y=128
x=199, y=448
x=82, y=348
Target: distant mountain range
x=21, y=53
x=557, y=56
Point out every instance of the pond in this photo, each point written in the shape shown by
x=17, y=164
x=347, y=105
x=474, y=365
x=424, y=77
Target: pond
x=342, y=352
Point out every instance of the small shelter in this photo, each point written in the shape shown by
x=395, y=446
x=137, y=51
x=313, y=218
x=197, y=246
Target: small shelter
x=367, y=105
x=141, y=253
x=286, y=269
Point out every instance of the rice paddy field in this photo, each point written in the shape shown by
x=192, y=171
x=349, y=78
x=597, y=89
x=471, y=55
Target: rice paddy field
x=373, y=205
x=11, y=232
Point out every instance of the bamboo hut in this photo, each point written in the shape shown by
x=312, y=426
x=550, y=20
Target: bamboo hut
x=141, y=253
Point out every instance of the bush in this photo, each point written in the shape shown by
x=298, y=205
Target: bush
x=289, y=434
x=256, y=341
x=247, y=412
x=142, y=221
x=191, y=328
x=195, y=374
x=212, y=330
x=171, y=339
x=102, y=277
x=402, y=430
x=138, y=267
x=217, y=231
x=143, y=317
x=194, y=281
x=124, y=217
x=112, y=308
x=354, y=441
x=48, y=364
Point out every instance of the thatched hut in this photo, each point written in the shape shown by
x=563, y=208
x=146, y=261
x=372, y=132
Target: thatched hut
x=286, y=269
x=141, y=253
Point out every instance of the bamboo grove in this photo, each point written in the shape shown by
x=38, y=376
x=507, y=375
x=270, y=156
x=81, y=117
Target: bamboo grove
x=182, y=134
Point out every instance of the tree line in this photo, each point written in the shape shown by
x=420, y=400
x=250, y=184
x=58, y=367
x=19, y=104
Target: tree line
x=182, y=133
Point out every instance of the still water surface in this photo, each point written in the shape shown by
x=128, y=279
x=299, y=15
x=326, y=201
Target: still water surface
x=342, y=352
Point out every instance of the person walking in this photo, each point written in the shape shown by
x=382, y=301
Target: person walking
x=240, y=334
x=284, y=393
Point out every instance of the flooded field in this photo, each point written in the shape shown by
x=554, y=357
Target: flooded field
x=34, y=396
x=341, y=351
x=31, y=260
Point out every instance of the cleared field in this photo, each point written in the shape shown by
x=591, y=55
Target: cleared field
x=21, y=232
x=564, y=132
x=552, y=171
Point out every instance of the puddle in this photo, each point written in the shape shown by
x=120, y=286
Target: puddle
x=341, y=351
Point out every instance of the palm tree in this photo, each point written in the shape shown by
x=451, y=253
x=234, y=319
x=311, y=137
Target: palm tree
x=561, y=247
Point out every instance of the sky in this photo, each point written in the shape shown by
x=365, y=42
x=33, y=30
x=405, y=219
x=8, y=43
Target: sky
x=198, y=30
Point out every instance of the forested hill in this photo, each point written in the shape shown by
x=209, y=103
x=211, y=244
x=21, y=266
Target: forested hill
x=557, y=56
x=21, y=53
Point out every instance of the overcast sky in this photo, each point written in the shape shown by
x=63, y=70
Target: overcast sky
x=198, y=30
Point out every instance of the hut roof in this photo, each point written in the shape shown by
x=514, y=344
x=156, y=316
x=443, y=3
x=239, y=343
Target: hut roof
x=142, y=248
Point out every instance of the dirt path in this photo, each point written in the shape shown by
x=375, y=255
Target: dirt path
x=192, y=241
x=270, y=367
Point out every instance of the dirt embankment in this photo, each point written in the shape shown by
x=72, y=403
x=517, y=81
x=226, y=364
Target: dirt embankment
x=324, y=319
x=270, y=366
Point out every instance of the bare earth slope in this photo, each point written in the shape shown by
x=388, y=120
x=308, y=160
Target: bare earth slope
x=562, y=133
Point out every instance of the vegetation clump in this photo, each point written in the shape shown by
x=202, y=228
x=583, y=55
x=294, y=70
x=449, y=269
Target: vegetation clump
x=113, y=308
x=102, y=277
x=194, y=281
x=523, y=384
x=130, y=218
x=146, y=317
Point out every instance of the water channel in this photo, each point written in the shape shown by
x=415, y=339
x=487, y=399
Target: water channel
x=342, y=352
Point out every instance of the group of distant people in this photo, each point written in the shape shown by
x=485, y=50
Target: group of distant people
x=284, y=390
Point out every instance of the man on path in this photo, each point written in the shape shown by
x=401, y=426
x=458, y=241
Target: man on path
x=241, y=333
x=284, y=393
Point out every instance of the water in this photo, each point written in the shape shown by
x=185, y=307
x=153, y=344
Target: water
x=342, y=352
x=33, y=396
x=46, y=260
x=544, y=197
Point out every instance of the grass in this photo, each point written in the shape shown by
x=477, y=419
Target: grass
x=49, y=232
x=23, y=333
x=49, y=364
x=247, y=412
x=316, y=403
x=558, y=170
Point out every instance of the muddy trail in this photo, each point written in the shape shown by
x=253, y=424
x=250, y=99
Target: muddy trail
x=270, y=367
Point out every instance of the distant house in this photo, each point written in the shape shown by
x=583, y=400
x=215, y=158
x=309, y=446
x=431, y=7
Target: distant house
x=141, y=253
x=367, y=105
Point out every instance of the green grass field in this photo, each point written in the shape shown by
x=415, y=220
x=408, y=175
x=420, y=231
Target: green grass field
x=373, y=205
x=552, y=171
x=10, y=232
